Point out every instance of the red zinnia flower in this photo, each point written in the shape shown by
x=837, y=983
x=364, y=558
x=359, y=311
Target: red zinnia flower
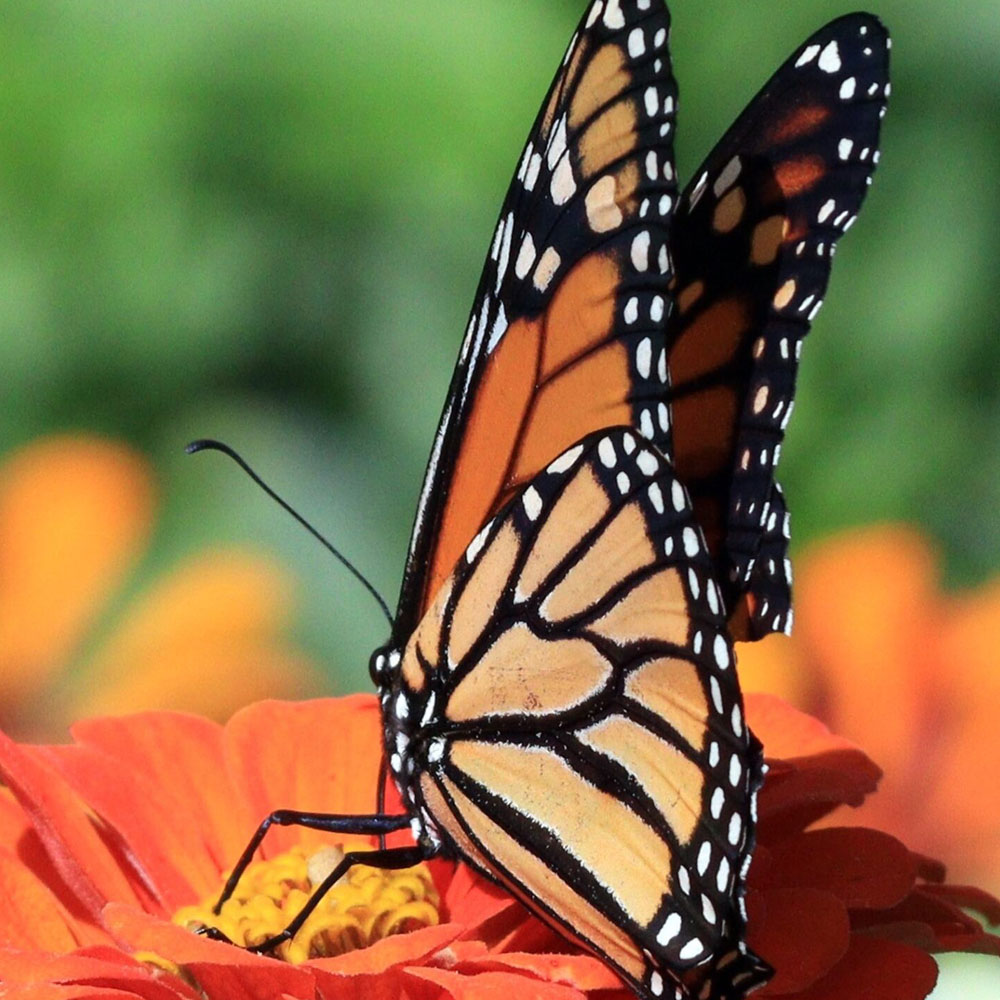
x=101, y=842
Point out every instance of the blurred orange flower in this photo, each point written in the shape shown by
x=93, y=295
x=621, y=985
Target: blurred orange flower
x=910, y=673
x=102, y=841
x=75, y=516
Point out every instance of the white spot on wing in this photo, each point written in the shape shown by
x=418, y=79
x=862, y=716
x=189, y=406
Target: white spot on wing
x=716, y=700
x=727, y=177
x=534, y=166
x=532, y=503
x=829, y=58
x=690, y=539
x=565, y=461
x=563, y=184
x=722, y=875
x=613, y=16
x=557, y=143
x=692, y=949
x=640, y=251
x=477, y=543
x=504, y=257
x=548, y=264
x=670, y=929
x=498, y=329
x=808, y=54
x=647, y=462
x=525, y=257
x=677, y=495
x=721, y=651
x=644, y=357
x=735, y=827
x=655, y=497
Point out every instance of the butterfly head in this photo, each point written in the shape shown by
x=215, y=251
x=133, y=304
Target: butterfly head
x=383, y=665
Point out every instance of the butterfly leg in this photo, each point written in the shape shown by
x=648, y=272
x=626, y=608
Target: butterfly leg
x=391, y=857
x=377, y=824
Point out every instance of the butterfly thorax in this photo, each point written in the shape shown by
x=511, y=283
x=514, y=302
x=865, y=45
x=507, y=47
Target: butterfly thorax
x=407, y=716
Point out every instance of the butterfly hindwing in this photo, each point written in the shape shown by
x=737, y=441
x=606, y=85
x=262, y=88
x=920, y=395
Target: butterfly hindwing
x=581, y=645
x=753, y=241
x=565, y=335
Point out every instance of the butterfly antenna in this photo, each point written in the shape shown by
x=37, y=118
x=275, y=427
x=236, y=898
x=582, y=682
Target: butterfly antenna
x=207, y=444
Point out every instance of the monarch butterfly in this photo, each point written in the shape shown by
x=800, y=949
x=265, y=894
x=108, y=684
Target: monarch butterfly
x=599, y=519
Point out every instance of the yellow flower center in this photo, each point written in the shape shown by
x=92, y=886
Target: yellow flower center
x=367, y=904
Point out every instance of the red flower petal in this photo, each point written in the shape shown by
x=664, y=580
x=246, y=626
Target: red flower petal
x=321, y=755
x=76, y=850
x=101, y=968
x=34, y=917
x=220, y=969
x=584, y=972
x=391, y=952
x=183, y=758
x=927, y=915
x=969, y=897
x=812, y=771
x=130, y=807
x=470, y=897
x=871, y=969
x=788, y=733
x=52, y=991
x=494, y=986
x=803, y=933
x=861, y=867
x=530, y=934
x=800, y=791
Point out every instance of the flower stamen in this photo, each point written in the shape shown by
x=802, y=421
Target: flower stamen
x=366, y=905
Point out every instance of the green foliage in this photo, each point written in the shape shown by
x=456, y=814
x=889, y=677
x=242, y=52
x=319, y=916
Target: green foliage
x=266, y=221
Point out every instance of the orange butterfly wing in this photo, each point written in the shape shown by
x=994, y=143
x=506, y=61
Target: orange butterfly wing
x=753, y=241
x=565, y=333
x=576, y=725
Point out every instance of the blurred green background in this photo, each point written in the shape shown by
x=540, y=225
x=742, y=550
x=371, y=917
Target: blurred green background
x=265, y=222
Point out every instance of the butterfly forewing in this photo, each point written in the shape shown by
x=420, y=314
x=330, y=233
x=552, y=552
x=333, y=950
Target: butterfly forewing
x=565, y=335
x=577, y=724
x=753, y=241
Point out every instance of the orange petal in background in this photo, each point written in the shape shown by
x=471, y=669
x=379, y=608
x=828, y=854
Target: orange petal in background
x=204, y=639
x=968, y=752
x=866, y=610
x=74, y=514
